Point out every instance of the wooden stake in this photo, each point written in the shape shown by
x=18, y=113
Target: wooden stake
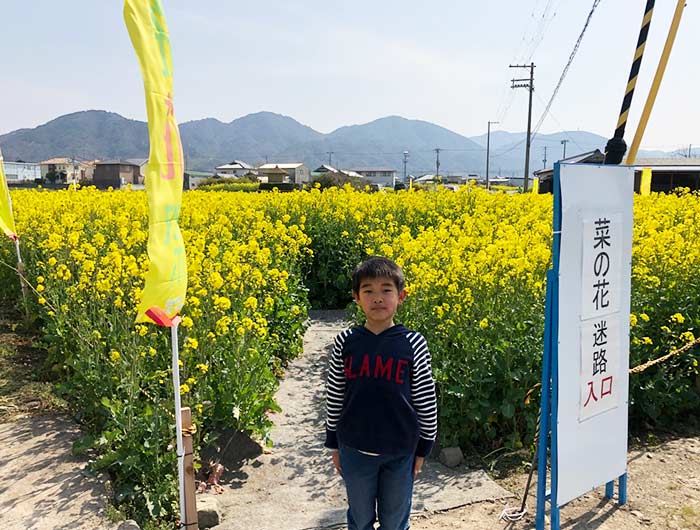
x=191, y=521
x=23, y=284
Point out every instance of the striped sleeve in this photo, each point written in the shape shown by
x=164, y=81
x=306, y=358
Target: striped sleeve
x=335, y=389
x=423, y=393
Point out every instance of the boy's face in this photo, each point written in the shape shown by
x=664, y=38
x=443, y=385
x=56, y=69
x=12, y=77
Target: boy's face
x=379, y=299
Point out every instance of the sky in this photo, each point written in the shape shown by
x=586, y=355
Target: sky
x=328, y=64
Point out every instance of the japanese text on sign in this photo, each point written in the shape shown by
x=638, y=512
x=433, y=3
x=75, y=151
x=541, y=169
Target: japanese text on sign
x=601, y=266
x=600, y=345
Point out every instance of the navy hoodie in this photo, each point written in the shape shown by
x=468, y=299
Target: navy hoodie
x=380, y=394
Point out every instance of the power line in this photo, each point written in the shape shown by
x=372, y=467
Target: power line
x=560, y=125
x=537, y=38
x=568, y=64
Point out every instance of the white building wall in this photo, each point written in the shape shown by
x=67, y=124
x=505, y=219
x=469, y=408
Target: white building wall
x=302, y=175
x=21, y=171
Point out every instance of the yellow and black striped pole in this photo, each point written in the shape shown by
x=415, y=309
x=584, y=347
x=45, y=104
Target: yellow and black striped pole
x=656, y=83
x=616, y=147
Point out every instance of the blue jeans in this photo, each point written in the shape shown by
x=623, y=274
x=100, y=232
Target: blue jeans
x=377, y=486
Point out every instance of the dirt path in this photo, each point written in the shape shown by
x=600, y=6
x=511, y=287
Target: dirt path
x=294, y=487
x=42, y=486
x=663, y=493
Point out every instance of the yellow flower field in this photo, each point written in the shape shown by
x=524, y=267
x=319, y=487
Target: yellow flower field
x=475, y=264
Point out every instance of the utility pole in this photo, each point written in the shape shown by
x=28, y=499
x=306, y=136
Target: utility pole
x=529, y=84
x=545, y=158
x=690, y=150
x=437, y=161
x=330, y=157
x=488, y=149
x=405, y=161
x=563, y=142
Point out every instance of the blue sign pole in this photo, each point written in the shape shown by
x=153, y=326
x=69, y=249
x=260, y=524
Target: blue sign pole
x=550, y=386
x=545, y=400
x=556, y=242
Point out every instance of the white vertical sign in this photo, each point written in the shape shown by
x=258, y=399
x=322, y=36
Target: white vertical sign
x=593, y=326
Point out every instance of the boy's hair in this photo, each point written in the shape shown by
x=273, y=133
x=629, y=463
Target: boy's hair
x=378, y=267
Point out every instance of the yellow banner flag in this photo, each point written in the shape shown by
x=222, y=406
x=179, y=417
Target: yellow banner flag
x=535, y=186
x=166, y=280
x=7, y=221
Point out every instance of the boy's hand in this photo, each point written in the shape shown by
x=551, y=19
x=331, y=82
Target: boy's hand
x=336, y=462
x=417, y=465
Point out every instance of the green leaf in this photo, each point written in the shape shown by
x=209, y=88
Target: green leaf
x=508, y=410
x=82, y=445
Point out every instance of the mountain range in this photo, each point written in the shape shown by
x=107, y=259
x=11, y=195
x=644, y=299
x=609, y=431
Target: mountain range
x=266, y=136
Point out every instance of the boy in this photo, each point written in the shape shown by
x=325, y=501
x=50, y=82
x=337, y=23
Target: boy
x=381, y=408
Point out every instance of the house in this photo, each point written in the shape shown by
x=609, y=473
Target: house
x=669, y=173
x=274, y=175
x=666, y=173
x=296, y=172
x=142, y=163
x=381, y=176
x=545, y=176
x=16, y=172
x=67, y=170
x=236, y=168
x=116, y=173
x=193, y=179
x=325, y=168
x=429, y=177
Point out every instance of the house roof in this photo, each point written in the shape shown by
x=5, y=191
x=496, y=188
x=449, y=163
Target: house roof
x=65, y=160
x=424, y=178
x=137, y=161
x=289, y=165
x=56, y=160
x=373, y=169
x=656, y=162
x=589, y=157
x=325, y=168
x=235, y=164
x=273, y=170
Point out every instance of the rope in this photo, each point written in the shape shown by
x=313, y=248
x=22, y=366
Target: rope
x=515, y=514
x=190, y=431
x=23, y=278
x=648, y=364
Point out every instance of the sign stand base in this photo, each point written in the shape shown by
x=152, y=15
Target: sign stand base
x=621, y=489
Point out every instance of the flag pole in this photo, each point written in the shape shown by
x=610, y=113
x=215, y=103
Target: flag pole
x=178, y=418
